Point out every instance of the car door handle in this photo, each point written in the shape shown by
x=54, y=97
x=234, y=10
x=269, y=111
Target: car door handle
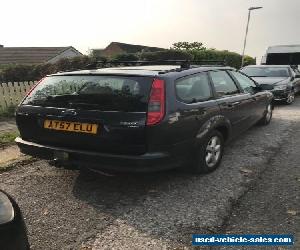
x=233, y=104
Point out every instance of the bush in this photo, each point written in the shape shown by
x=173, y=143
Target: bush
x=9, y=112
x=180, y=51
x=171, y=54
x=230, y=58
x=201, y=53
x=20, y=73
x=125, y=57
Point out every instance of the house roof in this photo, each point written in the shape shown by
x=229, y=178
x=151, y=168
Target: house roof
x=29, y=55
x=126, y=48
x=132, y=48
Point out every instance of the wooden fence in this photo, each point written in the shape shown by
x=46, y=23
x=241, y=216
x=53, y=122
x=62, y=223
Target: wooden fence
x=11, y=94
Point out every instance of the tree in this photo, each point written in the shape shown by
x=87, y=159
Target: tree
x=248, y=60
x=199, y=52
x=188, y=46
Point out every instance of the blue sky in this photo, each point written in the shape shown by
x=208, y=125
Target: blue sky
x=95, y=23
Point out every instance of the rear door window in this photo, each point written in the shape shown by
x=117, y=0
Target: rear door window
x=105, y=93
x=223, y=83
x=195, y=88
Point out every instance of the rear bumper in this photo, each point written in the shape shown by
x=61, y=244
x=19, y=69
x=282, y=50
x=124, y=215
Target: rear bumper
x=147, y=162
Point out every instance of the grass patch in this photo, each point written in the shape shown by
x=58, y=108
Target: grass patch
x=8, y=138
x=22, y=161
x=8, y=113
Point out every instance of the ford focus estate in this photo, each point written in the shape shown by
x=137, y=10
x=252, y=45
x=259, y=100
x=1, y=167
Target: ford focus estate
x=140, y=118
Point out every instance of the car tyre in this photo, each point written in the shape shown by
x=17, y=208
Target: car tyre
x=291, y=98
x=267, y=116
x=209, y=153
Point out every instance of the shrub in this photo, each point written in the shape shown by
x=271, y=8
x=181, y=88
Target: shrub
x=9, y=112
x=125, y=57
x=19, y=73
x=180, y=51
x=171, y=54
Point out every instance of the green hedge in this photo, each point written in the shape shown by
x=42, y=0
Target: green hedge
x=20, y=73
x=230, y=58
x=165, y=55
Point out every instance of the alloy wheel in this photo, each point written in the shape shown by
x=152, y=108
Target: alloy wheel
x=213, y=151
x=291, y=97
x=269, y=113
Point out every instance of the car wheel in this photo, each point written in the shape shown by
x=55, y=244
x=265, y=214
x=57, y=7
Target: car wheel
x=290, y=98
x=267, y=116
x=209, y=153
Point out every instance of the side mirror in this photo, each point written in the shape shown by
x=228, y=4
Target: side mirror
x=12, y=227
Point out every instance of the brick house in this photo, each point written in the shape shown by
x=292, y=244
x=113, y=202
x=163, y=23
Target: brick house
x=35, y=55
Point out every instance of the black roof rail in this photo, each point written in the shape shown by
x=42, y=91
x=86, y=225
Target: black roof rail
x=184, y=64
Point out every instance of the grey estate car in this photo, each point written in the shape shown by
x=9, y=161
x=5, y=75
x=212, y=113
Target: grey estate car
x=140, y=118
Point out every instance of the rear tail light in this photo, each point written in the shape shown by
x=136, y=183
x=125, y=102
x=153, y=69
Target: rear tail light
x=156, y=105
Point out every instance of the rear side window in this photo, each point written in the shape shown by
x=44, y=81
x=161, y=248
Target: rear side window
x=223, y=83
x=195, y=88
x=105, y=93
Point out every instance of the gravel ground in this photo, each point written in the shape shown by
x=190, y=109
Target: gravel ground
x=67, y=209
x=272, y=205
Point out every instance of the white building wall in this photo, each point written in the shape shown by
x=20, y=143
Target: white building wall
x=69, y=53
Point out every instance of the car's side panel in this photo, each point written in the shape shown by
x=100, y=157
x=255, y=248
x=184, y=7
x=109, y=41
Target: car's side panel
x=217, y=122
x=181, y=123
x=237, y=107
x=238, y=110
x=257, y=101
x=261, y=102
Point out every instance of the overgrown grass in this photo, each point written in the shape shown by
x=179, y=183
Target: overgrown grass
x=7, y=138
x=8, y=113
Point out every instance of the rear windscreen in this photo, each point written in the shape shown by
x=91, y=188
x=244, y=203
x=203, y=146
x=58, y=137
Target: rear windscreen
x=104, y=93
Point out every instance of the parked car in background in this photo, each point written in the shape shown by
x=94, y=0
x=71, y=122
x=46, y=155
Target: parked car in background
x=140, y=118
x=13, y=234
x=286, y=81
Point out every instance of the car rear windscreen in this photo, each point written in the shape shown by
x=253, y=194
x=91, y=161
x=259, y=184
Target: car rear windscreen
x=92, y=92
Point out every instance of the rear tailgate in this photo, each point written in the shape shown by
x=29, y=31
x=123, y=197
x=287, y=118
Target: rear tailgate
x=116, y=106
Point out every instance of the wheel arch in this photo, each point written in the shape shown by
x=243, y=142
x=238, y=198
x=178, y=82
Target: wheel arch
x=220, y=123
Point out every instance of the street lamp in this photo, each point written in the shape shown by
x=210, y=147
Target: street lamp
x=245, y=41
